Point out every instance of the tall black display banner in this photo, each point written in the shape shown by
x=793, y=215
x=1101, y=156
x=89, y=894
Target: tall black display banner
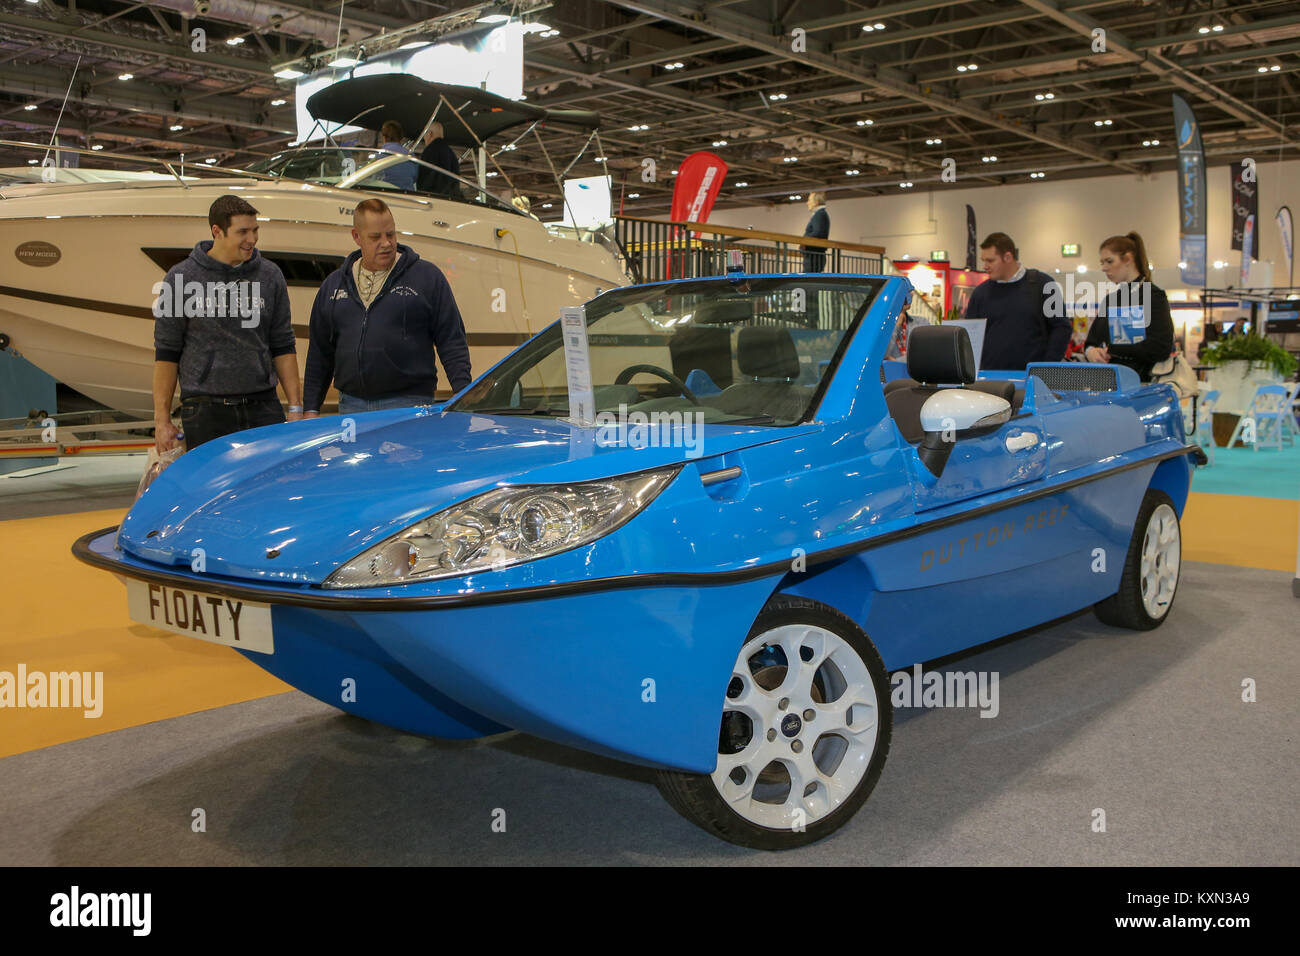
x=1245, y=202
x=1191, y=194
x=972, y=259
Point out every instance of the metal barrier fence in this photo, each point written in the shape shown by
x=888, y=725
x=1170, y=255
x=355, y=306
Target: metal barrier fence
x=657, y=249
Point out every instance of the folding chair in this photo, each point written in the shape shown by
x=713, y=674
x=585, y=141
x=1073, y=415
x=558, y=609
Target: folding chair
x=1267, y=408
x=1292, y=406
x=1204, y=433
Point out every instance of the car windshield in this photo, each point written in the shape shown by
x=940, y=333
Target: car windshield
x=753, y=349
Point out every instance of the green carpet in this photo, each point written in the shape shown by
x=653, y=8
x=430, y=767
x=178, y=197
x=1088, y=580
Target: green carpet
x=1266, y=473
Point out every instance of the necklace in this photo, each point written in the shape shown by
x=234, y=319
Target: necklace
x=372, y=281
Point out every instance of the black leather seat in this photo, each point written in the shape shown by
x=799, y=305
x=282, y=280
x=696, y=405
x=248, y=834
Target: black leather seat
x=936, y=355
x=769, y=365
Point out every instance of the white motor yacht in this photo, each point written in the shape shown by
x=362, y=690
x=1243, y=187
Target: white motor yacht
x=82, y=253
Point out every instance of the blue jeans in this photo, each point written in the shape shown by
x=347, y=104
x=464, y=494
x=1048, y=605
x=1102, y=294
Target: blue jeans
x=352, y=405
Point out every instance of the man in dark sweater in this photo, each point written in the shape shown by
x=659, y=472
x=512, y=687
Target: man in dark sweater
x=377, y=320
x=222, y=328
x=1021, y=325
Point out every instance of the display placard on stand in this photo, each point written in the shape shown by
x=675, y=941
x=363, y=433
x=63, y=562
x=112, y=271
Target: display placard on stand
x=577, y=366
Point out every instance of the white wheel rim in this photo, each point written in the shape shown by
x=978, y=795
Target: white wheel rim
x=1161, y=554
x=826, y=757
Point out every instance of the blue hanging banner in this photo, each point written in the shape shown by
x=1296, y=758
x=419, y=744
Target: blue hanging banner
x=1191, y=194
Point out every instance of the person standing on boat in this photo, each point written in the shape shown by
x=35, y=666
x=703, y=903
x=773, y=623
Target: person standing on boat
x=401, y=175
x=438, y=152
x=377, y=321
x=222, y=329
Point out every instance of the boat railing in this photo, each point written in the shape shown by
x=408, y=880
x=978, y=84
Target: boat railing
x=659, y=249
x=184, y=173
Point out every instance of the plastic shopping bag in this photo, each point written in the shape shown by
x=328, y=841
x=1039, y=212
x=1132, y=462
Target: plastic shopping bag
x=155, y=464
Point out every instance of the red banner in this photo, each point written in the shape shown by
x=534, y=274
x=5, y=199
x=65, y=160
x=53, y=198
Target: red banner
x=699, y=179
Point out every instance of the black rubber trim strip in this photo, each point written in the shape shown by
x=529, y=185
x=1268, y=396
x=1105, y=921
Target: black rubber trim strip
x=348, y=601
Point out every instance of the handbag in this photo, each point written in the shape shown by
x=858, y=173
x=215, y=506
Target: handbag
x=1176, y=371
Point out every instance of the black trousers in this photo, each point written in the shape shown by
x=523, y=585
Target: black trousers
x=203, y=421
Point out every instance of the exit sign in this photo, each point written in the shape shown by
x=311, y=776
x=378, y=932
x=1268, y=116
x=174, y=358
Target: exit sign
x=938, y=255
x=1069, y=248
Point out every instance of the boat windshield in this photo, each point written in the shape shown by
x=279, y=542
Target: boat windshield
x=375, y=170
x=751, y=349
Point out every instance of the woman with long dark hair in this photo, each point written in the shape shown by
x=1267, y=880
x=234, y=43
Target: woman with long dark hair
x=1133, y=325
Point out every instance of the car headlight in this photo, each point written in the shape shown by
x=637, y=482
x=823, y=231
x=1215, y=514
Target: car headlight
x=500, y=528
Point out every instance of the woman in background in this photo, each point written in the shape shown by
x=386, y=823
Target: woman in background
x=1133, y=325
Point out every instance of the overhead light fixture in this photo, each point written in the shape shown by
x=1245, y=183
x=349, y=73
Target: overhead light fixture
x=550, y=33
x=719, y=142
x=1044, y=96
x=789, y=159
x=676, y=171
x=343, y=61
x=31, y=162
x=234, y=41
x=277, y=102
x=988, y=159
x=600, y=159
x=1218, y=28
x=796, y=196
x=1274, y=68
x=1081, y=269
x=210, y=160
x=968, y=67
x=546, y=205
x=935, y=141
x=904, y=185
x=674, y=66
x=491, y=174
x=509, y=148
x=1150, y=142
x=866, y=122
x=288, y=73
x=1103, y=122
x=1037, y=175
x=638, y=128
x=126, y=76
x=97, y=147
x=779, y=96
x=176, y=127
x=741, y=185
x=29, y=107
x=1203, y=30
x=633, y=195
x=852, y=172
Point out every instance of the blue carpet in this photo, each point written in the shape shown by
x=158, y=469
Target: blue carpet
x=1267, y=473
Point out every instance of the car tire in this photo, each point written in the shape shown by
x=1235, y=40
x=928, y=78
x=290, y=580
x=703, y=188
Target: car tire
x=1149, y=584
x=763, y=716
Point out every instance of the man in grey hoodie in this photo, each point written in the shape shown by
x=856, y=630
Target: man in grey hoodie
x=222, y=327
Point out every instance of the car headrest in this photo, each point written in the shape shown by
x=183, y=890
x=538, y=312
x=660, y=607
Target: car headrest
x=940, y=355
x=767, y=352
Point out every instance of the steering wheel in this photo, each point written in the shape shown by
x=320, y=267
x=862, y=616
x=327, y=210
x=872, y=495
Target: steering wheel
x=625, y=376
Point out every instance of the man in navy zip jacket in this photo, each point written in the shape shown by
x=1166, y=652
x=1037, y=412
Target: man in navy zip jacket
x=376, y=322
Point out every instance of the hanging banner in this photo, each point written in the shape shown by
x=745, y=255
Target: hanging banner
x=1245, y=203
x=1248, y=240
x=972, y=257
x=1286, y=226
x=1191, y=194
x=699, y=180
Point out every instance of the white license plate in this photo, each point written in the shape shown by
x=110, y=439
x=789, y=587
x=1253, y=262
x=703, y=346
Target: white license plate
x=221, y=620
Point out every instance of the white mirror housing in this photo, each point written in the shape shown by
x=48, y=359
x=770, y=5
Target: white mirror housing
x=956, y=410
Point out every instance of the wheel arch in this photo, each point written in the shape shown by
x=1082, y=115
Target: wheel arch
x=1173, y=476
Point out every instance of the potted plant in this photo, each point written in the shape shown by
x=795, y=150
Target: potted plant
x=1241, y=364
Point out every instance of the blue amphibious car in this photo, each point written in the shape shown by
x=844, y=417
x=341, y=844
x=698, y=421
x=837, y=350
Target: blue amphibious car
x=716, y=577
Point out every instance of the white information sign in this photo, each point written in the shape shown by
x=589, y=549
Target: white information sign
x=975, y=329
x=577, y=365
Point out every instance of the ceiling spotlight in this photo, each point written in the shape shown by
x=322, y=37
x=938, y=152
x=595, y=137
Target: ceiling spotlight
x=1274, y=68
x=1044, y=96
x=904, y=185
x=867, y=28
x=1081, y=269
x=509, y=148
x=600, y=159
x=1037, y=175
x=277, y=102
x=935, y=141
x=779, y=96
x=633, y=195
x=176, y=127
x=1102, y=122
x=719, y=142
x=852, y=172
x=789, y=159
x=234, y=41
x=29, y=107
x=676, y=171
x=546, y=205
x=551, y=33
x=288, y=73
x=491, y=174
x=639, y=127
x=962, y=68
x=126, y=76
x=988, y=159
x=741, y=185
x=1218, y=28
x=796, y=196
x=31, y=162
x=866, y=122
x=210, y=160
x=97, y=147
x=674, y=66
x=1262, y=69
x=1203, y=30
x=880, y=26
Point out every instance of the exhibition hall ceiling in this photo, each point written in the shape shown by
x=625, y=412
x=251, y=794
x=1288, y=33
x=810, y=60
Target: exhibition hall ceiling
x=795, y=95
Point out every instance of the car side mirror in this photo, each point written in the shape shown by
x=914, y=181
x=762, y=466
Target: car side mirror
x=952, y=414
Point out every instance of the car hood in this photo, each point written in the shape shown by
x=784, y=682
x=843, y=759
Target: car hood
x=290, y=503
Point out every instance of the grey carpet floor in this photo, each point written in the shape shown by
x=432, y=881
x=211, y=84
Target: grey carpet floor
x=1150, y=728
